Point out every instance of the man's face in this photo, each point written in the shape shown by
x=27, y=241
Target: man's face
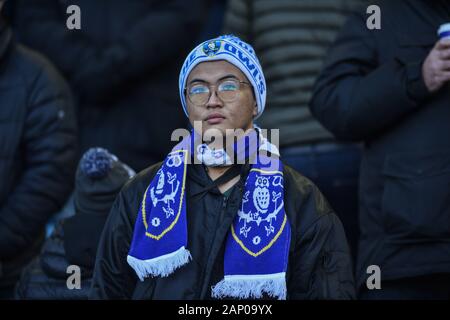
x=216, y=113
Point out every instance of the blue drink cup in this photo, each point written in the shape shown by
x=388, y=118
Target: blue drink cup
x=444, y=31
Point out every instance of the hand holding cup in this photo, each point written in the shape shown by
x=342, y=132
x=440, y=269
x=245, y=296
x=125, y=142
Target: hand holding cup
x=436, y=67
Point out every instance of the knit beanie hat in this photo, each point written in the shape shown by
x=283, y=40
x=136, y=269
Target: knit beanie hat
x=99, y=178
x=233, y=50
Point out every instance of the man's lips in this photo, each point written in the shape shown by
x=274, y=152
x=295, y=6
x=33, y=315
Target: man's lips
x=214, y=118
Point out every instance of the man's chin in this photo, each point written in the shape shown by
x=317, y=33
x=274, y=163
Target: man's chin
x=223, y=128
x=215, y=128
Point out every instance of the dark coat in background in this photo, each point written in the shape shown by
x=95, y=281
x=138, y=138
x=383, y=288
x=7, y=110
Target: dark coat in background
x=47, y=276
x=123, y=65
x=73, y=243
x=372, y=90
x=320, y=265
x=38, y=151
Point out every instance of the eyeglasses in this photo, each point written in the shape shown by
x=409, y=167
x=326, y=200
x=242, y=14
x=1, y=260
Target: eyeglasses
x=227, y=91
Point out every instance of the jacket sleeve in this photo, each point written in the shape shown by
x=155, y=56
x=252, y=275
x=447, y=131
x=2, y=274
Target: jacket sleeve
x=329, y=263
x=321, y=266
x=356, y=96
x=113, y=278
x=95, y=70
x=48, y=151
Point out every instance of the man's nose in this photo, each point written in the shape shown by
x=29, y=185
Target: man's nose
x=214, y=101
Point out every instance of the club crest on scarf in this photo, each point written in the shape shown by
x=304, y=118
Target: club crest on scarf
x=261, y=216
x=165, y=196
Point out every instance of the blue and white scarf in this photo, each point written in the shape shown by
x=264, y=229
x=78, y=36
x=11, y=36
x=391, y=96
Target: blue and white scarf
x=257, y=246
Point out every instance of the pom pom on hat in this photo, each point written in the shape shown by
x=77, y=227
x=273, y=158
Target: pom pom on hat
x=99, y=178
x=96, y=162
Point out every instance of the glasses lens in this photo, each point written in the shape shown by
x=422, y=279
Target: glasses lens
x=198, y=94
x=228, y=90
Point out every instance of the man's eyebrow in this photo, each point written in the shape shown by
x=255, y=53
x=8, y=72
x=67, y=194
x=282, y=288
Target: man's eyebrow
x=197, y=80
x=221, y=78
x=229, y=76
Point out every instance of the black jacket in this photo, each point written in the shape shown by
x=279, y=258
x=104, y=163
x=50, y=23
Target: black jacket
x=319, y=260
x=73, y=242
x=371, y=89
x=123, y=65
x=46, y=277
x=37, y=151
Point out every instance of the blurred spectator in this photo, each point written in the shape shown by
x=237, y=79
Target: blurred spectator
x=388, y=87
x=37, y=153
x=292, y=38
x=100, y=176
x=213, y=21
x=123, y=66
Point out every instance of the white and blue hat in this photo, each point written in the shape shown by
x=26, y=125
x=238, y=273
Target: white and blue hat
x=237, y=52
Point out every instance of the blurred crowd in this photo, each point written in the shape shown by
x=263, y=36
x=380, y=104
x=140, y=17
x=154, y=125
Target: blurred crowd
x=363, y=113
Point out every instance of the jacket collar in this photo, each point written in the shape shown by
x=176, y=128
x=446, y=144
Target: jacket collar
x=198, y=174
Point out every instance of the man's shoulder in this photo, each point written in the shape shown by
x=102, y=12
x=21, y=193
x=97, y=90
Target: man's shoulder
x=295, y=179
x=139, y=183
x=33, y=71
x=304, y=202
x=296, y=184
x=130, y=197
x=28, y=62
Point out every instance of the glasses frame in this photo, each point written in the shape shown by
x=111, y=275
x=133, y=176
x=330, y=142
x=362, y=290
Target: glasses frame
x=216, y=85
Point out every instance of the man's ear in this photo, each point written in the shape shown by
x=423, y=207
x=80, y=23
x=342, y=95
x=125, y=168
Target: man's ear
x=255, y=109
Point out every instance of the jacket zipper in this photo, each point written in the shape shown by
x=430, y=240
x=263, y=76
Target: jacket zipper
x=325, y=284
x=219, y=218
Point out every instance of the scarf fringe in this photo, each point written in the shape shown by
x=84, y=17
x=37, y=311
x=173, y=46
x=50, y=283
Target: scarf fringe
x=160, y=266
x=250, y=288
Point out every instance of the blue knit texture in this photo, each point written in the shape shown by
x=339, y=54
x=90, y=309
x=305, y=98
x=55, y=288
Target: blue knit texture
x=96, y=162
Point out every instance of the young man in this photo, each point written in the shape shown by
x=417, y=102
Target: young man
x=200, y=225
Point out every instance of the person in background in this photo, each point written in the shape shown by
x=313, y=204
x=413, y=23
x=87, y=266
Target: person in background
x=292, y=38
x=122, y=65
x=100, y=176
x=38, y=151
x=388, y=88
